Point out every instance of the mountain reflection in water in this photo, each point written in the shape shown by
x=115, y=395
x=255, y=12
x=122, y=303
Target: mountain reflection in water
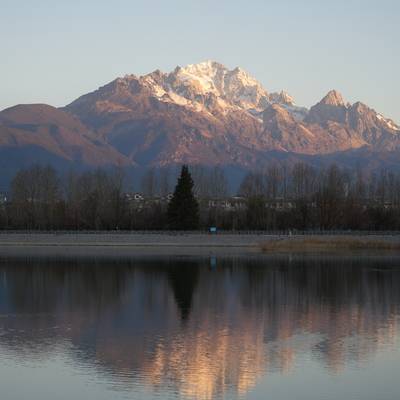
x=195, y=327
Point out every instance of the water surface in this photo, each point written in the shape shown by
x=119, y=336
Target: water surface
x=250, y=327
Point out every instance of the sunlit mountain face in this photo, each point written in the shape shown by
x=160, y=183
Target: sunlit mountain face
x=200, y=114
x=198, y=328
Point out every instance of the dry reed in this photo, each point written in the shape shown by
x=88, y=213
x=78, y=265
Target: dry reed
x=329, y=243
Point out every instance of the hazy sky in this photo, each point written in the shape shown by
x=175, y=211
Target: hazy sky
x=52, y=51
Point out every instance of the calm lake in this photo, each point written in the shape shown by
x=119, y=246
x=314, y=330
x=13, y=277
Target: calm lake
x=251, y=327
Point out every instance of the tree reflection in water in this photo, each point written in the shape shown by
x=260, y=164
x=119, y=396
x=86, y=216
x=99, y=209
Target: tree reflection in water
x=200, y=331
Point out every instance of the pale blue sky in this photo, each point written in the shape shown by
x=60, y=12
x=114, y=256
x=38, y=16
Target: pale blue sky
x=52, y=51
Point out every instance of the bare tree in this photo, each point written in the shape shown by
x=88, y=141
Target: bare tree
x=165, y=181
x=218, y=184
x=149, y=184
x=253, y=185
x=273, y=180
x=35, y=196
x=330, y=197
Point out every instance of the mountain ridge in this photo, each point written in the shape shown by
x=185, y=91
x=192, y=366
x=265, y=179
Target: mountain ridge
x=232, y=106
x=199, y=114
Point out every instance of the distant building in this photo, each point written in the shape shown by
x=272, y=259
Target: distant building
x=237, y=203
x=134, y=197
x=280, y=204
x=228, y=204
x=3, y=198
x=135, y=200
x=140, y=198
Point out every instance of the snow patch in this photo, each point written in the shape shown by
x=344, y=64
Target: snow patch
x=388, y=122
x=178, y=99
x=298, y=113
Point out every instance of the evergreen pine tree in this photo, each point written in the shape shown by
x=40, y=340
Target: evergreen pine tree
x=183, y=209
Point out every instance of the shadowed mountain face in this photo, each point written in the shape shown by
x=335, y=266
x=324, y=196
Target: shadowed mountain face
x=200, y=114
x=39, y=133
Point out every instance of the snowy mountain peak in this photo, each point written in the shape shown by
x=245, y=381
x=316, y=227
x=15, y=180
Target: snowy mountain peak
x=202, y=76
x=208, y=87
x=235, y=86
x=208, y=67
x=282, y=97
x=333, y=98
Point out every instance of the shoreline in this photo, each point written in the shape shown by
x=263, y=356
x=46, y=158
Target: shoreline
x=103, y=239
x=129, y=244
x=135, y=243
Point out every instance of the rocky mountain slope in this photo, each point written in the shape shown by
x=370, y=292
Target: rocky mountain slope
x=330, y=126
x=39, y=133
x=200, y=114
x=206, y=113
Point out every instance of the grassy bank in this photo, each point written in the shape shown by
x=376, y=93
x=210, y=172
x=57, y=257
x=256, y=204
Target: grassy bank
x=329, y=243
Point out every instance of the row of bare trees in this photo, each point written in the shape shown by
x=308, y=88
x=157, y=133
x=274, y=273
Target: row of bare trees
x=90, y=200
x=40, y=199
x=277, y=198
x=326, y=199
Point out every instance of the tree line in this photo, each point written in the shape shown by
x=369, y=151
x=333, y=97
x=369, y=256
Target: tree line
x=277, y=198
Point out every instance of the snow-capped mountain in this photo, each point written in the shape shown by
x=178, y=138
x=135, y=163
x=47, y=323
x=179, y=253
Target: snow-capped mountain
x=199, y=114
x=207, y=86
x=232, y=87
x=206, y=113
